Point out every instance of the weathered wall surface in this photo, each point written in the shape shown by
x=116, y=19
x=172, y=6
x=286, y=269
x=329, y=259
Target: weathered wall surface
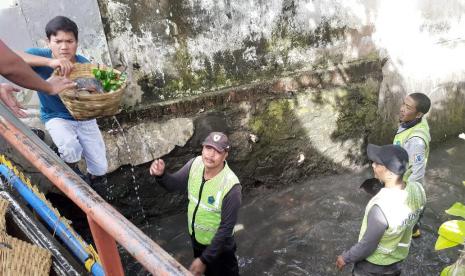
x=313, y=80
x=180, y=48
x=281, y=131
x=175, y=49
x=425, y=42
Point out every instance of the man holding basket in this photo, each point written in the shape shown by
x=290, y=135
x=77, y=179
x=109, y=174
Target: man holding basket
x=74, y=139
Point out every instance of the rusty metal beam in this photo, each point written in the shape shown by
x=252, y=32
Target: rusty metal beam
x=141, y=247
x=110, y=260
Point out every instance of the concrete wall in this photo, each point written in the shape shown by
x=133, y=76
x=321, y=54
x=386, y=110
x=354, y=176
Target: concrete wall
x=181, y=48
x=177, y=52
x=174, y=49
x=425, y=43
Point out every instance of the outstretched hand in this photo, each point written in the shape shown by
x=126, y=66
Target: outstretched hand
x=340, y=263
x=58, y=84
x=197, y=267
x=7, y=96
x=157, y=168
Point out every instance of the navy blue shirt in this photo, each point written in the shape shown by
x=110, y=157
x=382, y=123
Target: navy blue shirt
x=51, y=106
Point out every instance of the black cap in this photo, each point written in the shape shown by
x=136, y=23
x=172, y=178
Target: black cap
x=393, y=157
x=218, y=140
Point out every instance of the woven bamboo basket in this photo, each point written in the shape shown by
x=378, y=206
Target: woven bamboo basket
x=21, y=258
x=89, y=106
x=3, y=208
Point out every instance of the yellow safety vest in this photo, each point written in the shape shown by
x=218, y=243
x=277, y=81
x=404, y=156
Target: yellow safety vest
x=207, y=209
x=402, y=209
x=419, y=130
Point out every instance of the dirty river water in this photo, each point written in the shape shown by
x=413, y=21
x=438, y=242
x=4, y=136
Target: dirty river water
x=301, y=229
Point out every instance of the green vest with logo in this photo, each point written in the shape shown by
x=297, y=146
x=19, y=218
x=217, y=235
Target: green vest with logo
x=208, y=216
x=401, y=209
x=419, y=130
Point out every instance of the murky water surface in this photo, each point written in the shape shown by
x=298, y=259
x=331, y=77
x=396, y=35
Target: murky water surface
x=301, y=230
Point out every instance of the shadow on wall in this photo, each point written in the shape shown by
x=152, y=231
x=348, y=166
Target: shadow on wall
x=312, y=124
x=358, y=118
x=301, y=134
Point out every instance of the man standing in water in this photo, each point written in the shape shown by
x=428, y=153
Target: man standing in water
x=214, y=195
x=390, y=216
x=73, y=138
x=414, y=136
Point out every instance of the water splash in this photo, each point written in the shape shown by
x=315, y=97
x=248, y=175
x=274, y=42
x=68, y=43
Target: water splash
x=133, y=176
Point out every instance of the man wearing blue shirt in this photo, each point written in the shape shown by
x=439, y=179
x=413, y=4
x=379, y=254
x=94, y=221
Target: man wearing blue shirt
x=13, y=68
x=73, y=138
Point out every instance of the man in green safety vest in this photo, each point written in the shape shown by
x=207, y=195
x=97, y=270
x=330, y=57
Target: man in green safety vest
x=214, y=194
x=413, y=135
x=390, y=216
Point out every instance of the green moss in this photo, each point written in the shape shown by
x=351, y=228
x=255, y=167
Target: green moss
x=357, y=111
x=275, y=122
x=229, y=68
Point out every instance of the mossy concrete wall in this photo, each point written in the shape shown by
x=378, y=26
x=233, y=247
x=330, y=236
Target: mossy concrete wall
x=175, y=49
x=312, y=80
x=282, y=131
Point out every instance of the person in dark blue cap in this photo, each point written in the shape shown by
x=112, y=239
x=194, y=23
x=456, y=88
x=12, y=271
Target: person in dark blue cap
x=390, y=216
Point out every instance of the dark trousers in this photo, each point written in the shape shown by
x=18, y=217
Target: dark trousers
x=365, y=268
x=224, y=265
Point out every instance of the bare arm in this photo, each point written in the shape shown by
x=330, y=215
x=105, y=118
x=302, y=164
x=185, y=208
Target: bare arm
x=16, y=70
x=65, y=65
x=33, y=60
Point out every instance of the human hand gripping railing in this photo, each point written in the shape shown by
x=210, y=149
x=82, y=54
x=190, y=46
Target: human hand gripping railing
x=107, y=225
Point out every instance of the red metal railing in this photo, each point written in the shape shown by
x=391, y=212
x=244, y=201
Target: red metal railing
x=107, y=225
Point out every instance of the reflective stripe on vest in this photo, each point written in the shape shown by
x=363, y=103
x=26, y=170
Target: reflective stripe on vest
x=419, y=130
x=208, y=216
x=401, y=209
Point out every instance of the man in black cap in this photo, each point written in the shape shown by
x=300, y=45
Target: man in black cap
x=215, y=196
x=390, y=215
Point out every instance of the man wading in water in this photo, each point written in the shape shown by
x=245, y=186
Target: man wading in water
x=390, y=216
x=414, y=136
x=214, y=195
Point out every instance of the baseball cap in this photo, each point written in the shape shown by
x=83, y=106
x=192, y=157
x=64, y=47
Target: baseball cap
x=393, y=157
x=218, y=140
